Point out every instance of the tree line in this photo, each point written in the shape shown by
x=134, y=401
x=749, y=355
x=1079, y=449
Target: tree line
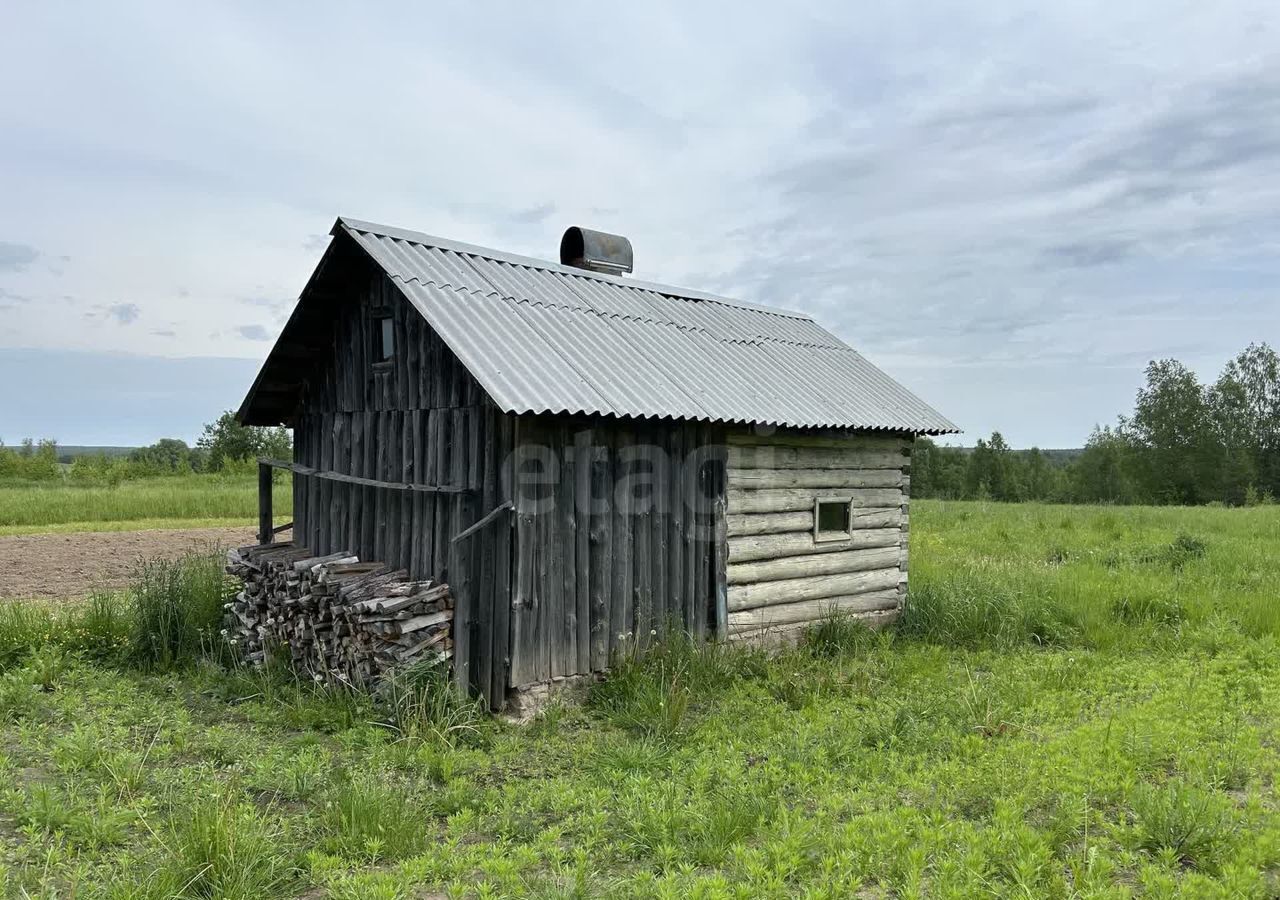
x=224, y=446
x=1184, y=443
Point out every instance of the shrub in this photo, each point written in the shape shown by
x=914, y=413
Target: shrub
x=177, y=609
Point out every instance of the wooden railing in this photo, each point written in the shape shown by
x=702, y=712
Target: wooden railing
x=266, y=529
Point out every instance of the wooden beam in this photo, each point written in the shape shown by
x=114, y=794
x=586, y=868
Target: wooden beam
x=309, y=472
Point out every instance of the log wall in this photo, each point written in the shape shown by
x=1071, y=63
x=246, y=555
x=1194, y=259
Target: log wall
x=779, y=576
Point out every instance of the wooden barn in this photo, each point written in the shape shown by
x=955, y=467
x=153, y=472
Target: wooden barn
x=586, y=458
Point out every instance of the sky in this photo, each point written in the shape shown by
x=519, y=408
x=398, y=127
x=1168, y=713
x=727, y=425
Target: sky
x=1011, y=208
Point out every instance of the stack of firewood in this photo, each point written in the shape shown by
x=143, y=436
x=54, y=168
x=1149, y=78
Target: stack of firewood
x=334, y=616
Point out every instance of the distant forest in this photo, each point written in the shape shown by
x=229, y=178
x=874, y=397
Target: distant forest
x=1185, y=443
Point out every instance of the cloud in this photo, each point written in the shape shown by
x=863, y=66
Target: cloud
x=164, y=332
x=1011, y=212
x=534, y=215
x=124, y=313
x=1089, y=252
x=16, y=257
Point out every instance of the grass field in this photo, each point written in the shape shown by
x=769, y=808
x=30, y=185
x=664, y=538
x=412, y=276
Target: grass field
x=191, y=501
x=1079, y=703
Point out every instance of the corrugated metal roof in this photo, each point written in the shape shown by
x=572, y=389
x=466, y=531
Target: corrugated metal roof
x=546, y=338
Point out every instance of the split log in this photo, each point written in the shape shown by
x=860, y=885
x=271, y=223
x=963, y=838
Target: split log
x=334, y=616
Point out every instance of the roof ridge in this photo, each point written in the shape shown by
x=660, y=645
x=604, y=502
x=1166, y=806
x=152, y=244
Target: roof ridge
x=430, y=240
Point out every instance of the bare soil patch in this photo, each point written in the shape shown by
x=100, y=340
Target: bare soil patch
x=71, y=565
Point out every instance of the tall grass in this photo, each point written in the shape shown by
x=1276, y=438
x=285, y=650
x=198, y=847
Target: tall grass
x=1001, y=575
x=170, y=616
x=191, y=497
x=177, y=610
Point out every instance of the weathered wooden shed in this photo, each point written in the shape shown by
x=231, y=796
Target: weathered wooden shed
x=587, y=458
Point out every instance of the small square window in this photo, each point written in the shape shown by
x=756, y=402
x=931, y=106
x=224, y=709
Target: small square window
x=831, y=519
x=386, y=339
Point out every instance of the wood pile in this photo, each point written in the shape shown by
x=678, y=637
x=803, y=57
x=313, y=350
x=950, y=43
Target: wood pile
x=334, y=616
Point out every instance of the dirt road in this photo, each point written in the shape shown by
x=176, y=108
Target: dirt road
x=70, y=565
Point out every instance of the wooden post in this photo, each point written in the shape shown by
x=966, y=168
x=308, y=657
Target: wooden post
x=266, y=526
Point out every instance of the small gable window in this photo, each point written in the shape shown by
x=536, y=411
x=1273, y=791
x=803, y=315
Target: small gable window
x=384, y=336
x=832, y=519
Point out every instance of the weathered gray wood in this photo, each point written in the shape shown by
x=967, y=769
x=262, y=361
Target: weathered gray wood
x=601, y=549
x=782, y=456
x=773, y=546
x=770, y=523
x=622, y=622
x=793, y=590
x=678, y=611
x=266, y=530
x=795, y=500
x=564, y=556
x=815, y=564
x=783, y=438
x=380, y=483
x=835, y=479
x=500, y=633
x=812, y=610
x=582, y=455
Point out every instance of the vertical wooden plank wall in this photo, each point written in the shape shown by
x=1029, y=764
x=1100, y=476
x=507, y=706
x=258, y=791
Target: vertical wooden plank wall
x=418, y=418
x=609, y=551
x=779, y=578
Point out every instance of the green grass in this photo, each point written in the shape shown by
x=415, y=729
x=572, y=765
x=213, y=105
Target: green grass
x=192, y=501
x=1080, y=703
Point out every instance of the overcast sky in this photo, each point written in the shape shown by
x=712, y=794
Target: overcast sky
x=1010, y=208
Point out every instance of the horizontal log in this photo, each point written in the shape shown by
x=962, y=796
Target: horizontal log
x=787, y=457
x=817, y=564
x=779, y=635
x=812, y=610
x=796, y=499
x=833, y=441
x=782, y=523
x=833, y=479
x=769, y=593
x=769, y=523
x=773, y=546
